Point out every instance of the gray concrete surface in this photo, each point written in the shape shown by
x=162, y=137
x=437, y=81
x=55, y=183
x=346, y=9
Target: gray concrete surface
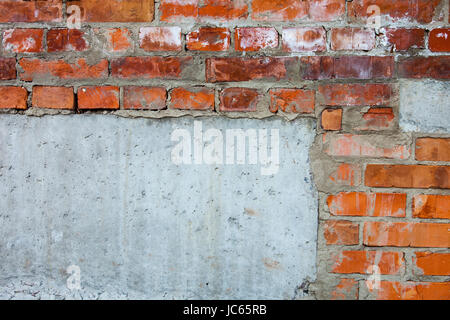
x=100, y=192
x=425, y=106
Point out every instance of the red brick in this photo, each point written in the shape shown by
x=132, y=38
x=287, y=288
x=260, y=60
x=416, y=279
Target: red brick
x=425, y=67
x=378, y=119
x=13, y=97
x=30, y=11
x=341, y=232
x=347, y=67
x=279, y=10
x=362, y=261
x=331, y=119
x=7, y=68
x=304, y=39
x=208, y=39
x=115, y=39
x=196, y=98
x=348, y=145
x=361, y=204
x=177, y=10
x=222, y=10
x=346, y=289
x=347, y=174
x=413, y=291
x=292, y=100
x=439, y=40
x=293, y=10
x=98, y=98
x=352, y=39
x=116, y=10
x=144, y=98
x=206, y=10
x=255, y=39
x=149, y=67
x=405, y=234
x=405, y=39
x=407, y=176
x=245, y=69
x=432, y=264
x=160, y=38
x=60, y=69
x=239, y=99
x=431, y=206
x=433, y=149
x=355, y=94
x=23, y=40
x=66, y=40
x=421, y=11
x=53, y=97
x=326, y=10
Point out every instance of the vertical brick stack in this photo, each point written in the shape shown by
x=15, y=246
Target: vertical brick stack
x=385, y=201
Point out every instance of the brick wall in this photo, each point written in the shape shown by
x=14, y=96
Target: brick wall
x=384, y=194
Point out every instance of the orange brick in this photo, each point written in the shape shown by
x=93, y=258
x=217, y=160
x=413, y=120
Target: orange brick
x=331, y=119
x=341, y=232
x=355, y=94
x=98, y=97
x=144, y=98
x=279, y=10
x=13, y=97
x=115, y=39
x=197, y=98
x=292, y=100
x=370, y=205
x=362, y=261
x=222, y=10
x=348, y=145
x=175, y=10
x=53, y=97
x=405, y=234
x=30, y=11
x=407, y=176
x=433, y=149
x=432, y=264
x=347, y=174
x=23, y=40
x=413, y=291
x=60, y=69
x=377, y=119
x=293, y=10
x=160, y=38
x=209, y=39
x=431, y=206
x=116, y=10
